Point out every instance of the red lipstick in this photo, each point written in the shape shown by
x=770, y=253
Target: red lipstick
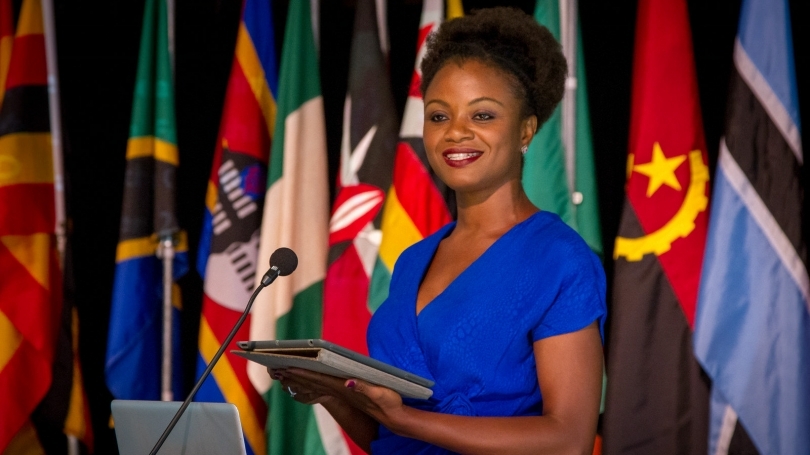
x=460, y=157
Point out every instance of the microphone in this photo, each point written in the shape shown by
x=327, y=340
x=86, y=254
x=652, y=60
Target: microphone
x=283, y=262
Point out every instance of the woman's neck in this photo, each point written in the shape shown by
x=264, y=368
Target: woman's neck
x=495, y=212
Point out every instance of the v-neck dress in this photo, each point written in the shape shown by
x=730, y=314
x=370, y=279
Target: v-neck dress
x=475, y=339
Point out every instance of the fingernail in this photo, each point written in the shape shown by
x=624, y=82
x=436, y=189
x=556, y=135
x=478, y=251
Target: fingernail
x=351, y=383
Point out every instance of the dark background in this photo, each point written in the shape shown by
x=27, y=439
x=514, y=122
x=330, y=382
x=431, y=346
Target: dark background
x=98, y=49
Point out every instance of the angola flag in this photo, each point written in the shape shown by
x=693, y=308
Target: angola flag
x=545, y=171
x=657, y=397
x=31, y=288
x=296, y=214
x=229, y=243
x=418, y=203
x=752, y=333
x=134, y=352
x=366, y=165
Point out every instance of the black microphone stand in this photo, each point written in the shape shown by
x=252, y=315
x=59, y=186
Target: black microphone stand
x=268, y=278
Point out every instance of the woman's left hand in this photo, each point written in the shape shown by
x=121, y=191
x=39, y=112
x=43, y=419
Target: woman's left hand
x=381, y=403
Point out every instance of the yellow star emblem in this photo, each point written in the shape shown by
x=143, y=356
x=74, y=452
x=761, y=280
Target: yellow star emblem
x=661, y=170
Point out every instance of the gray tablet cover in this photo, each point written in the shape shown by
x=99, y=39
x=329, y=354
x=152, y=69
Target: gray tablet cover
x=204, y=429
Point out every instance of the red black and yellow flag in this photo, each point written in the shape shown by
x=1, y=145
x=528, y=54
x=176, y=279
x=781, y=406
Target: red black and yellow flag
x=30, y=291
x=38, y=363
x=657, y=396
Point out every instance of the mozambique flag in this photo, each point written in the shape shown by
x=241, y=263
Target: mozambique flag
x=231, y=230
x=296, y=214
x=657, y=397
x=31, y=287
x=752, y=333
x=548, y=169
x=418, y=203
x=134, y=353
x=366, y=165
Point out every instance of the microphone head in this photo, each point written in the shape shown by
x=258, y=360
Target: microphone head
x=285, y=260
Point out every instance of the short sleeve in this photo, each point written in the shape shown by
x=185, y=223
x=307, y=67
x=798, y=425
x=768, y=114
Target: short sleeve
x=579, y=299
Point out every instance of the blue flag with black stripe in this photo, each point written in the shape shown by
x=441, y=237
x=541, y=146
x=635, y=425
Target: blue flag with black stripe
x=752, y=333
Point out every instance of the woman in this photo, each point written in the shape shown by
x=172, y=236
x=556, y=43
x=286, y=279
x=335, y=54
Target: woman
x=500, y=305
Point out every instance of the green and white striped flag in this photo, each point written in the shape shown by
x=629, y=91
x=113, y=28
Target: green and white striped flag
x=544, y=173
x=296, y=213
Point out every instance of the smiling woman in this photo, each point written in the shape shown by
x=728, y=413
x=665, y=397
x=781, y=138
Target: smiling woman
x=504, y=309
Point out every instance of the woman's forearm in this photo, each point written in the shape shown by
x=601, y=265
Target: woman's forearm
x=495, y=435
x=360, y=427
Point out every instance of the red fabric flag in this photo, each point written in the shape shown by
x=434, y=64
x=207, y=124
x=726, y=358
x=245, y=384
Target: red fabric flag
x=31, y=289
x=657, y=399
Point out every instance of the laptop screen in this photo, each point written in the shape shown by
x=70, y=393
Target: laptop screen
x=204, y=428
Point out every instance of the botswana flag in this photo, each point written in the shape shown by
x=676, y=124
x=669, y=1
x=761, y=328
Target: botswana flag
x=753, y=325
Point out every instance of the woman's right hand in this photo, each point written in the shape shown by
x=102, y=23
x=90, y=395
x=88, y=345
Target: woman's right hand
x=302, y=392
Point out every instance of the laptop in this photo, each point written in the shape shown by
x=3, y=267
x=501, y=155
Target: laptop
x=204, y=429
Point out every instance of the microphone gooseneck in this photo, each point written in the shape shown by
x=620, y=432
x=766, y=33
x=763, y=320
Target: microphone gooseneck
x=283, y=262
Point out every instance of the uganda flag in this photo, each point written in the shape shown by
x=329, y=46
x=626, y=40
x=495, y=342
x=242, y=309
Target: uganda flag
x=229, y=243
x=752, y=333
x=657, y=397
x=31, y=286
x=134, y=342
x=418, y=203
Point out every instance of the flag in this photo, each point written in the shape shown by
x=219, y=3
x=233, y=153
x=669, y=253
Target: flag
x=657, y=397
x=545, y=170
x=366, y=165
x=31, y=289
x=6, y=42
x=752, y=333
x=229, y=242
x=65, y=409
x=418, y=202
x=367, y=154
x=454, y=9
x=134, y=353
x=296, y=212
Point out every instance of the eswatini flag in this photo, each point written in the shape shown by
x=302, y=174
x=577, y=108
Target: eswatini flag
x=296, y=215
x=366, y=163
x=229, y=243
x=31, y=285
x=752, y=333
x=657, y=398
x=418, y=203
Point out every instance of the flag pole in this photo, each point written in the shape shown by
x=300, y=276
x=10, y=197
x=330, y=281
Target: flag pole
x=568, y=35
x=166, y=252
x=56, y=128
x=54, y=112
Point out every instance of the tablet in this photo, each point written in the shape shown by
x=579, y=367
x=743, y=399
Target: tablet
x=329, y=358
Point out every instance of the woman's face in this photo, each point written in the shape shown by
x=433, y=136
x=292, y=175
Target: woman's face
x=473, y=127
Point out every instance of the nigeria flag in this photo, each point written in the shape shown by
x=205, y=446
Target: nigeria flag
x=545, y=173
x=296, y=210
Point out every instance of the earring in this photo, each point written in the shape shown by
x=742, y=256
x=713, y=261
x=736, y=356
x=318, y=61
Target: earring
x=524, y=149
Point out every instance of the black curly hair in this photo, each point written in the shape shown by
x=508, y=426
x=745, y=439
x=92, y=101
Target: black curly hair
x=508, y=39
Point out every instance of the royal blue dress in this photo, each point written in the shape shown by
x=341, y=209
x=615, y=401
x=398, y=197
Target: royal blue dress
x=475, y=339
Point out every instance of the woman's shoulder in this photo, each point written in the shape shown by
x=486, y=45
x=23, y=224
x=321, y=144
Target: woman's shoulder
x=546, y=233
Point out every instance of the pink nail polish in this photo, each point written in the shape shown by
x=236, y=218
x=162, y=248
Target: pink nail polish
x=351, y=383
